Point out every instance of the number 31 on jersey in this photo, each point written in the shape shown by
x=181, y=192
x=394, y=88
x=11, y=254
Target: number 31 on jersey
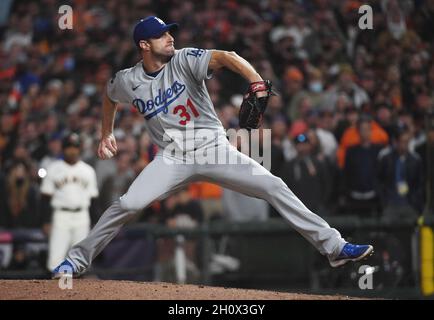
x=185, y=112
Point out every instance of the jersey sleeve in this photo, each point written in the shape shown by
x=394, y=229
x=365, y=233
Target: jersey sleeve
x=47, y=185
x=195, y=62
x=116, y=89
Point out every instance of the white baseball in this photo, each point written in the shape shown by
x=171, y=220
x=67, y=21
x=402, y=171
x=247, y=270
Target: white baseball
x=107, y=153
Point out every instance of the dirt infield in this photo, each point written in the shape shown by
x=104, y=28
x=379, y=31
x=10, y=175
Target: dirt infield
x=122, y=290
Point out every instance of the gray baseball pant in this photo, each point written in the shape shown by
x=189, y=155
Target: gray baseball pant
x=159, y=179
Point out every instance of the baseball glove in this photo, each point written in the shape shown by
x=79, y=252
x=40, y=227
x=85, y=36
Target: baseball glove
x=252, y=108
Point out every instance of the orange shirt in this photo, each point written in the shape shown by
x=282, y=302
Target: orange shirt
x=205, y=190
x=351, y=138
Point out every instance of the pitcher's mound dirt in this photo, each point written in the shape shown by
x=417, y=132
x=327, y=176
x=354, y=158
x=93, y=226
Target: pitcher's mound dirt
x=86, y=289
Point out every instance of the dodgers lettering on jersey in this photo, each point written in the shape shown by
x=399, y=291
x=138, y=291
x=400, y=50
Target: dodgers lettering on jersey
x=70, y=186
x=163, y=99
x=175, y=99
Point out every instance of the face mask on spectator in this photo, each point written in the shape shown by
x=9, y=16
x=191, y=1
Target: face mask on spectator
x=315, y=86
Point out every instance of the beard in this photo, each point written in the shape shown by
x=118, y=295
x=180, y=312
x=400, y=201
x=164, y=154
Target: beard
x=164, y=55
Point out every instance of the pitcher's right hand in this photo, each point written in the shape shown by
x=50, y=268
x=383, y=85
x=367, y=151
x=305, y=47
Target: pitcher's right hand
x=107, y=147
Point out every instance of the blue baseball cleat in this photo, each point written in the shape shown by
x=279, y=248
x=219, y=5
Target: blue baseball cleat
x=352, y=252
x=65, y=269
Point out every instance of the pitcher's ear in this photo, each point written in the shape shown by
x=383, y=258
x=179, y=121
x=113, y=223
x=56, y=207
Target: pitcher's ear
x=144, y=45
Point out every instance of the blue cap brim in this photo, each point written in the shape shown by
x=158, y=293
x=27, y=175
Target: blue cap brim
x=170, y=27
x=167, y=27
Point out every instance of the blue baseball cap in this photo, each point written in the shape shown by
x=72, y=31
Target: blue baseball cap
x=151, y=27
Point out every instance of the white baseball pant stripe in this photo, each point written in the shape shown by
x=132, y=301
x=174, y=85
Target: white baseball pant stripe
x=159, y=179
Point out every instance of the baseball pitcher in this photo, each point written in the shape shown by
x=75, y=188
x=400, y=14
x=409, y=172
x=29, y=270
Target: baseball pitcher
x=168, y=87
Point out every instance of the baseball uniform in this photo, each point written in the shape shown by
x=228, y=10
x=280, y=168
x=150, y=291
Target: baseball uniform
x=177, y=98
x=71, y=188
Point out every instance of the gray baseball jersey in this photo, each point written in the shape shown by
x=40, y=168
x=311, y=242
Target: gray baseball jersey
x=175, y=99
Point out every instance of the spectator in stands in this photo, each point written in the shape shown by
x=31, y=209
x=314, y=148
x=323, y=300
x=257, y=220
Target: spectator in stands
x=54, y=151
x=288, y=145
x=322, y=129
x=359, y=174
x=315, y=87
x=307, y=176
x=346, y=116
x=20, y=202
x=401, y=179
x=293, y=81
x=407, y=120
x=351, y=137
x=384, y=117
x=275, y=108
x=347, y=86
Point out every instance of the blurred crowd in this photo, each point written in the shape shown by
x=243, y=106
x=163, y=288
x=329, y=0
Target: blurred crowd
x=348, y=123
